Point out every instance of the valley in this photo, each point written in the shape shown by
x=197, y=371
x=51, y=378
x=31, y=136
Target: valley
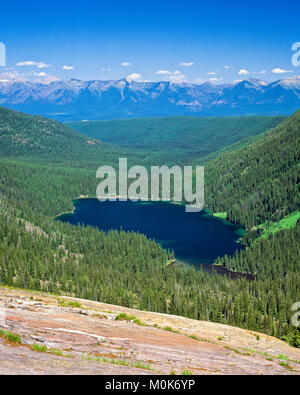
x=45, y=165
x=150, y=191
x=179, y=140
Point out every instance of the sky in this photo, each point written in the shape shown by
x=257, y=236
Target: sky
x=193, y=41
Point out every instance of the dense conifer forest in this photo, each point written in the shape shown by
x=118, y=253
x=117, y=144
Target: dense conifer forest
x=259, y=183
x=255, y=185
x=178, y=140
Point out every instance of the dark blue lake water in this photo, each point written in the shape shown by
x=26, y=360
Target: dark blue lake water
x=196, y=238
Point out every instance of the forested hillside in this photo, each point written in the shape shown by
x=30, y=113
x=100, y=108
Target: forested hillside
x=177, y=140
x=41, y=140
x=21, y=134
x=259, y=183
x=129, y=270
x=42, y=253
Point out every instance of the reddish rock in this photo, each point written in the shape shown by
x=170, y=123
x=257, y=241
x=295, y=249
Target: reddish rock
x=91, y=341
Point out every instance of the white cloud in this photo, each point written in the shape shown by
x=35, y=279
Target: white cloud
x=199, y=81
x=244, y=72
x=105, y=69
x=41, y=74
x=215, y=80
x=12, y=77
x=280, y=71
x=65, y=67
x=47, y=80
x=174, y=76
x=34, y=76
x=43, y=66
x=227, y=67
x=27, y=63
x=211, y=80
x=134, y=77
x=39, y=65
x=126, y=64
x=211, y=73
x=186, y=64
x=167, y=72
x=178, y=78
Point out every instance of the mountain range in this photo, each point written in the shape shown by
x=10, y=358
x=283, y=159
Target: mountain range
x=95, y=100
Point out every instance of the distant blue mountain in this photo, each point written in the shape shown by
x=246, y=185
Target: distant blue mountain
x=90, y=100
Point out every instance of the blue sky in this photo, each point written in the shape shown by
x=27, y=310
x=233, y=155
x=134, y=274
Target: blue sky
x=151, y=40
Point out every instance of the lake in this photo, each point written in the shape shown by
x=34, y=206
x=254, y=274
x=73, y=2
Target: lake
x=196, y=238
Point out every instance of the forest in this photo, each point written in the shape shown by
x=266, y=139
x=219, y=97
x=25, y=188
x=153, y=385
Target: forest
x=45, y=165
x=178, y=140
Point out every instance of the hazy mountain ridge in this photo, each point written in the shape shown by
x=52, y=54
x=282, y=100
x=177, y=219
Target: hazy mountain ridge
x=79, y=100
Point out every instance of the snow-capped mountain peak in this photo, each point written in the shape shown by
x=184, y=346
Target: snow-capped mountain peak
x=75, y=99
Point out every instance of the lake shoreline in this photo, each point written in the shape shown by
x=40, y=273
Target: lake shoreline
x=187, y=248
x=207, y=211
